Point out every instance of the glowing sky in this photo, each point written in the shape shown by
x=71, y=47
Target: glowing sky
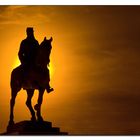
x=95, y=63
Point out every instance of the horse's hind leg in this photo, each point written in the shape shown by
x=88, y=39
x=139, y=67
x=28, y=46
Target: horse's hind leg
x=15, y=84
x=30, y=93
x=38, y=105
x=12, y=103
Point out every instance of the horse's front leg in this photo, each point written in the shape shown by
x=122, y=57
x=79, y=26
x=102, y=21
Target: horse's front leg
x=38, y=105
x=30, y=93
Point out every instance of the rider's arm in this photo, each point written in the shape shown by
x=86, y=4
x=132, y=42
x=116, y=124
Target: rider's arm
x=21, y=52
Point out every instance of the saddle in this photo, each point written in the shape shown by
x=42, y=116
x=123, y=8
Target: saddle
x=35, y=78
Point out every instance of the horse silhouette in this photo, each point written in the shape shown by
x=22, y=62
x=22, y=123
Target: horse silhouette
x=36, y=77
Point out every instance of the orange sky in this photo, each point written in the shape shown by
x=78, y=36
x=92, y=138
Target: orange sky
x=95, y=63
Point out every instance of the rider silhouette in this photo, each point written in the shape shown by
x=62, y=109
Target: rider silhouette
x=28, y=52
x=28, y=49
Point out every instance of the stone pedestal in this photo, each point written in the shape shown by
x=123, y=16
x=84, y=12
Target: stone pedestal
x=33, y=128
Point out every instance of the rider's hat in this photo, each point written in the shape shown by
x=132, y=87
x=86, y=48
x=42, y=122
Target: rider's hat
x=29, y=29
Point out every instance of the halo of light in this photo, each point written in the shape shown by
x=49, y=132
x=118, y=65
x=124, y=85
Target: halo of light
x=16, y=63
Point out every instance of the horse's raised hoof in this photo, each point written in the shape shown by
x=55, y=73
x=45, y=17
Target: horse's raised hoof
x=36, y=107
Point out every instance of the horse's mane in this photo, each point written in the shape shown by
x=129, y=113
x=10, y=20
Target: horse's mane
x=43, y=57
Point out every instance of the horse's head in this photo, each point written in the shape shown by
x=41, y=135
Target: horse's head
x=45, y=50
x=46, y=43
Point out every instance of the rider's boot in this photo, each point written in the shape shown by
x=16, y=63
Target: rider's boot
x=49, y=89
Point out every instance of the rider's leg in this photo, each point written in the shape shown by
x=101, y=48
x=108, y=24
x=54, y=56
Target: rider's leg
x=48, y=87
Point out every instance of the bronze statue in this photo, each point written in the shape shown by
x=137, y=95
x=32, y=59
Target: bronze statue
x=33, y=73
